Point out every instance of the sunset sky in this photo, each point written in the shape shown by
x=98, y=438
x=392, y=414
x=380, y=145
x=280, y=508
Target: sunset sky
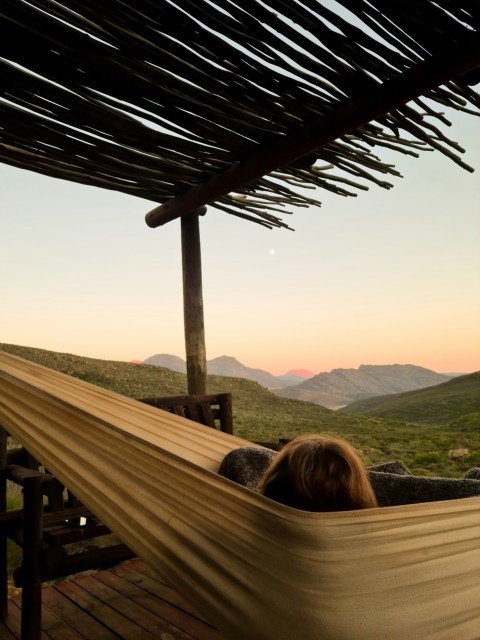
x=386, y=277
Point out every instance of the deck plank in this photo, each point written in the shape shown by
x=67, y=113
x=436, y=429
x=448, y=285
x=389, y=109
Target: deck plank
x=166, y=599
x=75, y=617
x=126, y=602
x=11, y=627
x=139, y=573
x=55, y=629
x=176, y=617
x=102, y=607
x=13, y=623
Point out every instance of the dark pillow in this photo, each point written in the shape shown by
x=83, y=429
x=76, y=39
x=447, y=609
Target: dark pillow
x=393, y=489
x=246, y=465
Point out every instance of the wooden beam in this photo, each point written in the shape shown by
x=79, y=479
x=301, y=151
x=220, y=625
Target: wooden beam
x=427, y=75
x=193, y=304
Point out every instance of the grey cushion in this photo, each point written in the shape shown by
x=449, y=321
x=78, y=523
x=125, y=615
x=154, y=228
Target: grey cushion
x=394, y=489
x=246, y=465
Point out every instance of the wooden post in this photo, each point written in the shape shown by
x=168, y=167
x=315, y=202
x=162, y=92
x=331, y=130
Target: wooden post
x=226, y=412
x=193, y=303
x=31, y=617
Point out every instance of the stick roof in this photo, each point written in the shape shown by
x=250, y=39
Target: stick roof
x=245, y=105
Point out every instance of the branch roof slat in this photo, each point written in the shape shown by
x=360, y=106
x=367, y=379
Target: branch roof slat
x=159, y=98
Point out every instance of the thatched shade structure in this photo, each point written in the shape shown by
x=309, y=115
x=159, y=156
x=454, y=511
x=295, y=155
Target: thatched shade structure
x=238, y=105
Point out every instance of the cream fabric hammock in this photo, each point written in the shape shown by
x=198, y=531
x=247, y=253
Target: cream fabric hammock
x=256, y=569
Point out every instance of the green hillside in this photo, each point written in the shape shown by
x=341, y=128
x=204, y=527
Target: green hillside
x=456, y=400
x=259, y=415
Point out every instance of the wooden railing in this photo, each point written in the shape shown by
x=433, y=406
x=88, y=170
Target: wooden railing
x=210, y=410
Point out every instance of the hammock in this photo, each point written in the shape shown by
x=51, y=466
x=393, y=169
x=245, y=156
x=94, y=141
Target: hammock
x=256, y=569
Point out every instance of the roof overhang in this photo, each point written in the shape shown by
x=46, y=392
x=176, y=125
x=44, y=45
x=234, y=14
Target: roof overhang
x=252, y=108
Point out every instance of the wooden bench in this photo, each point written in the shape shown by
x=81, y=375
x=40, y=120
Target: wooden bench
x=210, y=410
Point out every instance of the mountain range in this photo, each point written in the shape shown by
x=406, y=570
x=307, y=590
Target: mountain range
x=333, y=390
x=228, y=366
x=341, y=387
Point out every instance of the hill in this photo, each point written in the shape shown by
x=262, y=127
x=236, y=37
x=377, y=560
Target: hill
x=260, y=415
x=341, y=387
x=441, y=404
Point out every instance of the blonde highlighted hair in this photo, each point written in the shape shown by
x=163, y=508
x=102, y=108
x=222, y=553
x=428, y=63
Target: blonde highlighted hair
x=318, y=473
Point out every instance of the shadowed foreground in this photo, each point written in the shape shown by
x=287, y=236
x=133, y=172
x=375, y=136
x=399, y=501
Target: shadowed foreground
x=126, y=602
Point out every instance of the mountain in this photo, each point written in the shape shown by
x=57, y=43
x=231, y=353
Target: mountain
x=301, y=373
x=168, y=362
x=228, y=366
x=458, y=398
x=222, y=366
x=341, y=387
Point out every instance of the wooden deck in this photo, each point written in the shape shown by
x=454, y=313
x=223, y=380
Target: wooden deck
x=125, y=602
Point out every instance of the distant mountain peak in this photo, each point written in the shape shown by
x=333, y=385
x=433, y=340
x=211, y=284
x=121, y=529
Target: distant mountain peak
x=300, y=373
x=226, y=360
x=174, y=363
x=224, y=366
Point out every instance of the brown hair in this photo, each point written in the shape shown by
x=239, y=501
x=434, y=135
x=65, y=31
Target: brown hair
x=318, y=473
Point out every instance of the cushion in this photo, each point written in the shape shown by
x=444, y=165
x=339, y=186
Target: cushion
x=393, y=489
x=245, y=465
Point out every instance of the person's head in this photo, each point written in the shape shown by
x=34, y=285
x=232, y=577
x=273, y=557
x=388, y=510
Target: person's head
x=318, y=473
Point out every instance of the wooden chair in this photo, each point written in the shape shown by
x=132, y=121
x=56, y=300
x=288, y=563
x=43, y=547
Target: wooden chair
x=54, y=531
x=51, y=518
x=210, y=410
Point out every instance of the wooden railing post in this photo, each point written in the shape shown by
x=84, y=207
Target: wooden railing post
x=32, y=545
x=226, y=412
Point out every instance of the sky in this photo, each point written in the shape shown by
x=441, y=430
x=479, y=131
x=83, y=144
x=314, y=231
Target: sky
x=387, y=277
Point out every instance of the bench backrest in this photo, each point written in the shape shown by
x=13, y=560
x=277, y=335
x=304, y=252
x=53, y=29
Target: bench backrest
x=211, y=410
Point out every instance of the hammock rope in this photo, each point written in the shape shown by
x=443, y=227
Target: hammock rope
x=254, y=568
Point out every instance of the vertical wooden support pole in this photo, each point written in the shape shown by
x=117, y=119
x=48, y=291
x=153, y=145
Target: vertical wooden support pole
x=31, y=572
x=3, y=527
x=193, y=304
